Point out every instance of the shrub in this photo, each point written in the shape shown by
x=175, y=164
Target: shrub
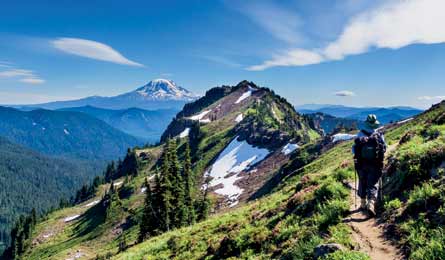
x=347, y=255
x=420, y=196
x=331, y=213
x=392, y=206
x=330, y=190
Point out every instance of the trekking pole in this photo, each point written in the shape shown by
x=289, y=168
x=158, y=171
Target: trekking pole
x=355, y=191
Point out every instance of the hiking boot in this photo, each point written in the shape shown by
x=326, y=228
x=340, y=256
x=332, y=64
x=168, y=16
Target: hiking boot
x=371, y=206
x=363, y=204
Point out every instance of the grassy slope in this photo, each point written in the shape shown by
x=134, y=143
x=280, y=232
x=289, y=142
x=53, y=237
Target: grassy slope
x=415, y=186
x=289, y=222
x=304, y=211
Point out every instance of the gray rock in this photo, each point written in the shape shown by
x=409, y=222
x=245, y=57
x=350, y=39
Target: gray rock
x=324, y=249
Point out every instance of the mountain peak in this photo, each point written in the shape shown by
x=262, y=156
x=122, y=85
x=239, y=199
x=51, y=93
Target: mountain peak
x=164, y=89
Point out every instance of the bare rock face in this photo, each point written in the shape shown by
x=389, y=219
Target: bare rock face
x=324, y=249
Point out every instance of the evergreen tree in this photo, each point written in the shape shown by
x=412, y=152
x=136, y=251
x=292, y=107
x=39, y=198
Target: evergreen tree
x=149, y=222
x=110, y=172
x=179, y=215
x=188, y=184
x=130, y=164
x=165, y=188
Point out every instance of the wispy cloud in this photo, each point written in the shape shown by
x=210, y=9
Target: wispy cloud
x=393, y=25
x=428, y=98
x=166, y=75
x=34, y=81
x=26, y=97
x=22, y=75
x=221, y=60
x=278, y=21
x=344, y=93
x=93, y=50
x=5, y=64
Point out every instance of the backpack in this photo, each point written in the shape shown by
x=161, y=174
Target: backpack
x=370, y=147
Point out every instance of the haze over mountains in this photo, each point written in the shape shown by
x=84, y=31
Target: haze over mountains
x=384, y=114
x=157, y=94
x=146, y=125
x=64, y=133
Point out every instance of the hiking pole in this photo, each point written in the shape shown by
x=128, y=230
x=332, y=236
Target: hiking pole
x=355, y=191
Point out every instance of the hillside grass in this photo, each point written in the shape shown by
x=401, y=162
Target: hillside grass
x=415, y=186
x=305, y=211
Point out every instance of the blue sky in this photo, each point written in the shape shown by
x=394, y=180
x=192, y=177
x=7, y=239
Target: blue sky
x=352, y=52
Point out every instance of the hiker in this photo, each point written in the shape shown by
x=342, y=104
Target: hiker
x=369, y=151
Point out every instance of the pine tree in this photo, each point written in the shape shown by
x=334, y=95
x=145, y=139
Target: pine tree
x=188, y=184
x=179, y=215
x=130, y=164
x=165, y=188
x=149, y=221
x=110, y=172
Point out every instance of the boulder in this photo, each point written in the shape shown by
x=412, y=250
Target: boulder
x=324, y=249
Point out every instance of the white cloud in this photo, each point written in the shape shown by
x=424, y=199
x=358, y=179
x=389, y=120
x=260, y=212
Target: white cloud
x=344, y=93
x=34, y=81
x=393, y=25
x=278, y=21
x=297, y=57
x=93, y=50
x=22, y=75
x=431, y=98
x=5, y=64
x=12, y=73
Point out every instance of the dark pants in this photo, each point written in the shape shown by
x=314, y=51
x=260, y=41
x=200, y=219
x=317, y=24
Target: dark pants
x=368, y=176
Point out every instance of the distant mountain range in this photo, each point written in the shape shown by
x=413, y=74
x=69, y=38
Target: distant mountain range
x=63, y=133
x=144, y=124
x=157, y=94
x=384, y=114
x=331, y=124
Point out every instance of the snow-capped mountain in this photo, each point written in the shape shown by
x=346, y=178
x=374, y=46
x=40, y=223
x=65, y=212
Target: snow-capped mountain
x=163, y=89
x=157, y=94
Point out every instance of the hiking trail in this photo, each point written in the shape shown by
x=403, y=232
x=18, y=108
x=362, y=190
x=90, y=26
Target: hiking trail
x=368, y=233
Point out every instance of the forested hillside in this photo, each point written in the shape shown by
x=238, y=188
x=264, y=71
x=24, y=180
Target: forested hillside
x=30, y=180
x=69, y=134
x=147, y=125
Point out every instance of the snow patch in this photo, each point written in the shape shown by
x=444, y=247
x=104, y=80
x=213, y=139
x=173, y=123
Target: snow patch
x=289, y=148
x=244, y=96
x=405, y=121
x=92, y=203
x=34, y=123
x=66, y=131
x=118, y=183
x=236, y=157
x=239, y=118
x=68, y=219
x=205, y=121
x=185, y=133
x=143, y=189
x=342, y=137
x=199, y=117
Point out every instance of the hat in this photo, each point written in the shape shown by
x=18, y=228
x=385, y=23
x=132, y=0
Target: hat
x=372, y=122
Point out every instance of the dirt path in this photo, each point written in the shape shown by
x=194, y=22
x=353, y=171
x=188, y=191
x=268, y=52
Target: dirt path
x=368, y=233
